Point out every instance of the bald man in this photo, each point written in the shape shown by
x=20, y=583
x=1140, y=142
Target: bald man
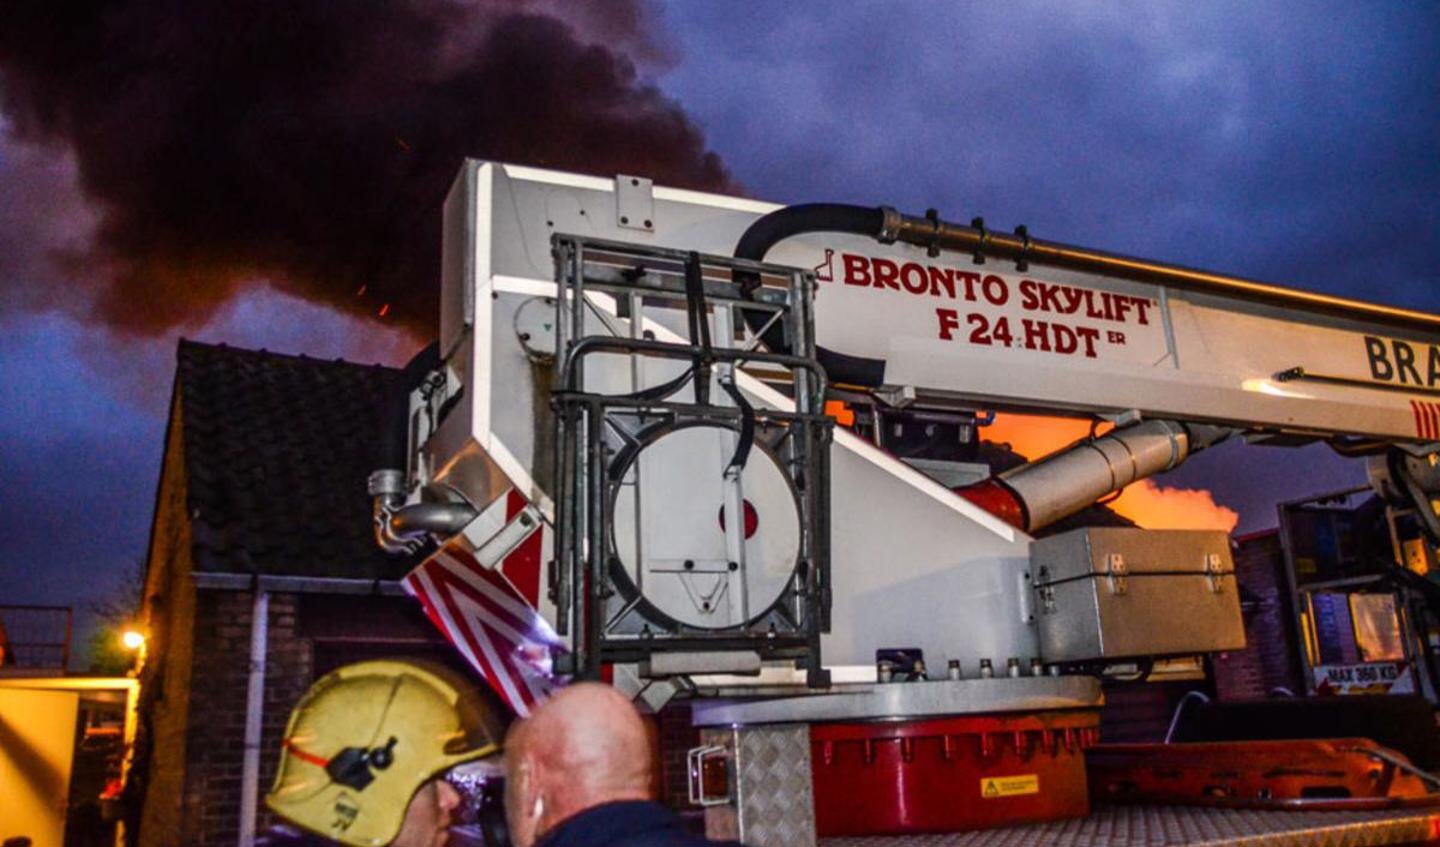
x=579, y=773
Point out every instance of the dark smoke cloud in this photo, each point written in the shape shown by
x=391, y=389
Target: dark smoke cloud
x=309, y=143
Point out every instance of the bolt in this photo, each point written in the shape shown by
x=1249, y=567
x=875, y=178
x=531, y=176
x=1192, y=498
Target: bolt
x=624, y=219
x=649, y=225
x=734, y=566
x=1012, y=666
x=1037, y=668
x=987, y=670
x=689, y=565
x=952, y=669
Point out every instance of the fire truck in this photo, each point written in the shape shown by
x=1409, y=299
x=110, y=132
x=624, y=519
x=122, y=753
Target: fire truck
x=712, y=449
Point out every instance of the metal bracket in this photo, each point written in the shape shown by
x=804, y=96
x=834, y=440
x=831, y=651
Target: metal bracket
x=494, y=550
x=635, y=203
x=932, y=249
x=978, y=224
x=695, y=761
x=1116, y=571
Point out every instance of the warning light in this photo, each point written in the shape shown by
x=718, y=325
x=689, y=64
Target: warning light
x=840, y=411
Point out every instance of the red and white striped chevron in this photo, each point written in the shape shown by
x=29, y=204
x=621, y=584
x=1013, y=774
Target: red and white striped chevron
x=490, y=614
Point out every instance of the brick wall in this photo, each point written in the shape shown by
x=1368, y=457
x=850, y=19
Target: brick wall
x=676, y=738
x=308, y=635
x=1140, y=712
x=216, y=736
x=1270, y=659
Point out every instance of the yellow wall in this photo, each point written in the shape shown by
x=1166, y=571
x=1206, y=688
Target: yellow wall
x=37, y=747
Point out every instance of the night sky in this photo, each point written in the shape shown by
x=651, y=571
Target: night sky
x=1297, y=143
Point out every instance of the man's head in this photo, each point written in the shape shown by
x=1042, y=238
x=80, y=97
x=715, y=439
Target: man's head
x=584, y=747
x=366, y=748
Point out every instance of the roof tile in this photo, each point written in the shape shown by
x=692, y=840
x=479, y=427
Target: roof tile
x=277, y=452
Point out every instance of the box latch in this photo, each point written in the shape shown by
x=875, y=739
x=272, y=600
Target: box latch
x=1115, y=573
x=1215, y=572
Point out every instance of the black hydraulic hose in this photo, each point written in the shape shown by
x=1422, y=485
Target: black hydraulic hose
x=790, y=221
x=700, y=336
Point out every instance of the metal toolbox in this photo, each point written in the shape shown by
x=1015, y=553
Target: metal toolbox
x=1112, y=593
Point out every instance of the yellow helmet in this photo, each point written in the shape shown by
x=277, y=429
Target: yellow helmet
x=366, y=736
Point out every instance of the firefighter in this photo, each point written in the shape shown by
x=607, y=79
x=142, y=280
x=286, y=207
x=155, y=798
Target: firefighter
x=580, y=772
x=366, y=750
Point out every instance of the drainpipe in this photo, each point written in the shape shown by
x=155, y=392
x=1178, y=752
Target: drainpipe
x=254, y=713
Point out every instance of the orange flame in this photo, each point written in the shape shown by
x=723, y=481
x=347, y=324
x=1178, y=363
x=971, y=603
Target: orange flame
x=1147, y=503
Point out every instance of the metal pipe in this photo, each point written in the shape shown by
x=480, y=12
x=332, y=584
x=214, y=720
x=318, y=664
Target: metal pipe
x=1042, y=492
x=254, y=706
x=401, y=529
x=1179, y=707
x=934, y=233
x=439, y=518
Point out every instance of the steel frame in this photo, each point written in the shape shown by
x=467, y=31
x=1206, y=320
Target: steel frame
x=597, y=435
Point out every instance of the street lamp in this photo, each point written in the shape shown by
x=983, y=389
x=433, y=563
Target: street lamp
x=133, y=639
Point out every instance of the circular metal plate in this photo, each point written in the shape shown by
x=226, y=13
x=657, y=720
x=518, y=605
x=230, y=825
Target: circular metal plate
x=670, y=523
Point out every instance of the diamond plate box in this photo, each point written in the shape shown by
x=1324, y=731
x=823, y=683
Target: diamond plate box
x=771, y=800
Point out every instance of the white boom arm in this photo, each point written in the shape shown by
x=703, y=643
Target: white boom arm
x=913, y=565
x=1044, y=338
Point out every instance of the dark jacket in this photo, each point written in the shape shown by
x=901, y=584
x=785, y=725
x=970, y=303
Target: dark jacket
x=627, y=824
x=281, y=835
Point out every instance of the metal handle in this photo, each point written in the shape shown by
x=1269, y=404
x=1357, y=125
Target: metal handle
x=695, y=763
